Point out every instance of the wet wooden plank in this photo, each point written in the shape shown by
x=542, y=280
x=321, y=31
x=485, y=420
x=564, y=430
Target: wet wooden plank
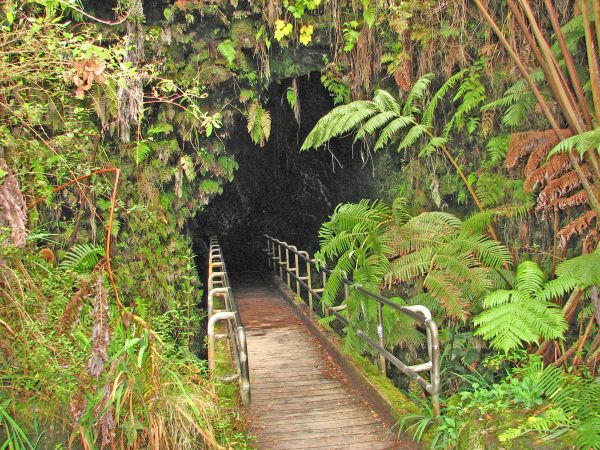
x=300, y=397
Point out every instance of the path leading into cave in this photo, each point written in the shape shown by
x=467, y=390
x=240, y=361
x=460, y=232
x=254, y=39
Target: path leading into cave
x=301, y=398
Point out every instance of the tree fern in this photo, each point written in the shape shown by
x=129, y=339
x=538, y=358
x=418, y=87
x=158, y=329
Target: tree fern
x=438, y=253
x=82, y=258
x=356, y=241
x=521, y=315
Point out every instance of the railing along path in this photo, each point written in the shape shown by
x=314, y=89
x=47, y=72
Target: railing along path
x=220, y=288
x=279, y=252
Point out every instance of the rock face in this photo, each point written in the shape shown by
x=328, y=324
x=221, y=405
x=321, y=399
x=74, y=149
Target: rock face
x=278, y=190
x=13, y=212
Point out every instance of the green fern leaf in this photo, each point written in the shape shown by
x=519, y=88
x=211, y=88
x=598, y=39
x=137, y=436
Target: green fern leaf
x=386, y=102
x=413, y=135
x=82, y=258
x=417, y=92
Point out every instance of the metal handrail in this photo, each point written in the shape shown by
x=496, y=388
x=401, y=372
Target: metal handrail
x=278, y=253
x=218, y=286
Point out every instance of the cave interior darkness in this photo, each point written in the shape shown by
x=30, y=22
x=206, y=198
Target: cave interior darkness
x=278, y=190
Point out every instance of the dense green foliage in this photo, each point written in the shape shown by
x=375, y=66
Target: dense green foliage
x=549, y=306
x=98, y=287
x=113, y=136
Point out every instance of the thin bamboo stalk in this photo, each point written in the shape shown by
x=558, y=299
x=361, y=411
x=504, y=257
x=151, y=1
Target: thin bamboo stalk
x=596, y=6
x=569, y=62
x=592, y=198
x=582, y=341
x=592, y=54
x=556, y=85
x=556, y=80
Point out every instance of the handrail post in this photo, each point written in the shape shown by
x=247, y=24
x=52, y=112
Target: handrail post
x=287, y=266
x=270, y=261
x=224, y=291
x=280, y=254
x=435, y=365
x=419, y=313
x=235, y=329
x=244, y=375
x=345, y=282
x=223, y=315
x=380, y=335
x=309, y=283
x=324, y=280
x=297, y=266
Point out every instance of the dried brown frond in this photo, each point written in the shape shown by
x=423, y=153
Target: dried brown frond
x=77, y=406
x=402, y=75
x=590, y=242
x=543, y=147
x=487, y=122
x=524, y=231
x=526, y=142
x=553, y=168
x=576, y=227
x=366, y=62
x=450, y=58
x=13, y=212
x=574, y=200
x=72, y=311
x=271, y=10
x=106, y=418
x=86, y=72
x=559, y=187
x=100, y=329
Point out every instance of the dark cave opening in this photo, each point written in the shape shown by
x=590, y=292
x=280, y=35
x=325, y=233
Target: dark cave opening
x=277, y=189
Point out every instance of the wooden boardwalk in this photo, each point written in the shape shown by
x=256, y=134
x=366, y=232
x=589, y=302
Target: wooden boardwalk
x=300, y=396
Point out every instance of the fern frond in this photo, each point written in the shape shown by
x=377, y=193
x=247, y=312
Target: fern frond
x=530, y=278
x=413, y=135
x=141, y=152
x=418, y=90
x=489, y=253
x=427, y=117
x=434, y=144
x=259, y=124
x=391, y=130
x=375, y=123
x=583, y=269
x=443, y=287
x=584, y=142
x=82, y=258
x=339, y=121
x=386, y=101
x=479, y=221
x=514, y=317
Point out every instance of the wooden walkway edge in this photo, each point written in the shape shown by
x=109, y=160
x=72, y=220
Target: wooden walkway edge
x=301, y=398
